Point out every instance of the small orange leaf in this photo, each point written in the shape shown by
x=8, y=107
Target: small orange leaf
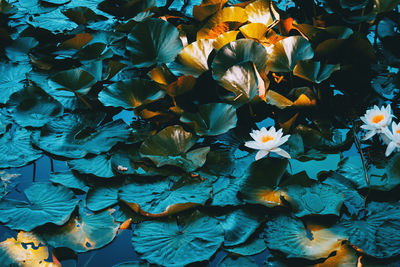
x=285, y=25
x=304, y=100
x=182, y=85
x=78, y=41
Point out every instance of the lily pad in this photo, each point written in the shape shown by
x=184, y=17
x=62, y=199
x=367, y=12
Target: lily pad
x=74, y=80
x=16, y=148
x=286, y=53
x=192, y=60
x=33, y=107
x=320, y=199
x=290, y=236
x=377, y=234
x=212, y=119
x=26, y=250
x=153, y=41
x=259, y=12
x=171, y=146
x=314, y=71
x=75, y=136
x=231, y=261
x=250, y=247
x=11, y=79
x=54, y=21
x=47, y=204
x=82, y=233
x=131, y=93
x=194, y=238
x=236, y=52
x=69, y=179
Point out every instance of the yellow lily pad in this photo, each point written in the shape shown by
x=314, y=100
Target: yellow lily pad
x=259, y=12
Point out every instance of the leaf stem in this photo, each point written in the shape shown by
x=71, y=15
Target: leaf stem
x=358, y=146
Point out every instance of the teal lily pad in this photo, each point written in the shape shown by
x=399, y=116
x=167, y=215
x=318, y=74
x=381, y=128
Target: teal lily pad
x=16, y=148
x=153, y=41
x=131, y=93
x=239, y=226
x=33, y=107
x=101, y=198
x=47, y=204
x=74, y=80
x=171, y=146
x=290, y=236
x=70, y=180
x=232, y=261
x=261, y=183
x=321, y=199
x=250, y=247
x=54, y=21
x=377, y=234
x=98, y=165
x=170, y=243
x=211, y=119
x=286, y=53
x=75, y=136
x=11, y=79
x=82, y=233
x=236, y=52
x=225, y=191
x=314, y=71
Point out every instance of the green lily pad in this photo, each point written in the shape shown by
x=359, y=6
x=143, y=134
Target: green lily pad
x=239, y=226
x=131, y=93
x=194, y=238
x=286, y=53
x=75, y=136
x=236, y=52
x=250, y=247
x=241, y=81
x=212, y=119
x=289, y=236
x=82, y=233
x=11, y=79
x=261, y=183
x=74, y=80
x=33, y=107
x=231, y=261
x=193, y=59
x=314, y=71
x=16, y=148
x=377, y=234
x=69, y=179
x=320, y=199
x=153, y=41
x=171, y=146
x=47, y=204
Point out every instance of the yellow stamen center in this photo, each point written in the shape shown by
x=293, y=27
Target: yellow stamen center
x=266, y=138
x=377, y=118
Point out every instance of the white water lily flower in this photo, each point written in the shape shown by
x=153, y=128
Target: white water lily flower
x=376, y=120
x=394, y=137
x=268, y=141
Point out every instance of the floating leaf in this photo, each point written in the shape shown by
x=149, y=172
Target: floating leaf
x=239, y=225
x=130, y=93
x=74, y=80
x=231, y=261
x=207, y=8
x=54, y=21
x=259, y=12
x=69, y=179
x=345, y=256
x=220, y=22
x=290, y=236
x=251, y=247
x=170, y=147
x=82, y=233
x=224, y=39
x=314, y=71
x=27, y=250
x=153, y=41
x=11, y=79
x=16, y=148
x=47, y=204
x=237, y=52
x=33, y=107
x=99, y=165
x=285, y=54
x=195, y=238
x=320, y=199
x=211, y=119
x=75, y=136
x=192, y=60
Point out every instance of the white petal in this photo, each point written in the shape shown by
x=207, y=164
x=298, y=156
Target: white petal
x=262, y=153
x=281, y=152
x=254, y=135
x=367, y=127
x=364, y=120
x=252, y=144
x=283, y=140
x=369, y=135
x=390, y=148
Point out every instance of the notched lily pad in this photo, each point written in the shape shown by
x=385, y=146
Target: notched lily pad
x=11, y=79
x=74, y=80
x=194, y=238
x=171, y=146
x=47, y=204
